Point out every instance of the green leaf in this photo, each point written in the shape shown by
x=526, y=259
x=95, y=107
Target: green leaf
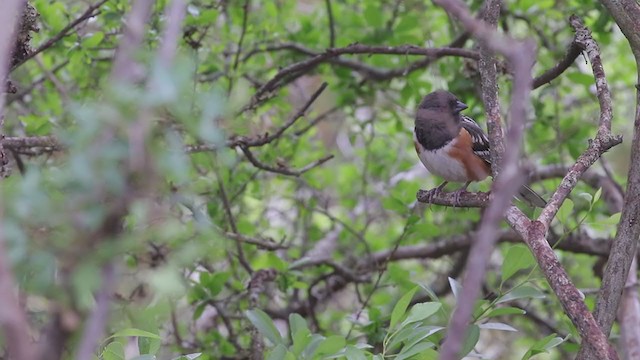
x=147, y=345
x=521, y=292
x=94, y=40
x=134, y=332
x=300, y=334
x=421, y=311
x=581, y=78
x=414, y=350
x=414, y=336
x=193, y=356
x=430, y=292
x=401, y=307
x=565, y=212
x=470, y=340
x=456, y=288
x=145, y=357
x=297, y=323
x=311, y=348
x=353, y=353
x=373, y=14
x=543, y=346
x=518, y=257
x=508, y=310
x=113, y=351
x=597, y=195
x=280, y=352
x=265, y=325
x=331, y=345
x=214, y=282
x=497, y=326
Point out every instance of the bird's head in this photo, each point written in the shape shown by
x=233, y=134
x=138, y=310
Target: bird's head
x=442, y=100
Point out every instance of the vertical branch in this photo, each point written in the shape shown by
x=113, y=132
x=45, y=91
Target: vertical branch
x=124, y=72
x=124, y=65
x=12, y=317
x=626, y=241
x=99, y=316
x=488, y=76
x=521, y=56
x=245, y=18
x=332, y=28
x=629, y=315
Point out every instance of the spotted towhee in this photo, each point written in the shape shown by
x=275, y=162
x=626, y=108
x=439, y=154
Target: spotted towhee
x=453, y=146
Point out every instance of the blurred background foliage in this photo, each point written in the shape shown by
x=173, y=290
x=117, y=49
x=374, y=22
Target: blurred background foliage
x=316, y=278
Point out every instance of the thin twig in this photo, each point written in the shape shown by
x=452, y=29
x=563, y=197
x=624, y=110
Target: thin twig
x=267, y=244
x=245, y=17
x=283, y=170
x=304, y=65
x=260, y=141
x=232, y=223
x=315, y=121
x=89, y=13
x=571, y=55
x=332, y=28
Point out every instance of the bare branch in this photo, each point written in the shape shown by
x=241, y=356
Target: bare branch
x=305, y=65
x=626, y=14
x=260, y=141
x=466, y=199
x=534, y=233
x=603, y=141
x=489, y=79
x=283, y=170
x=13, y=320
x=89, y=13
x=626, y=241
x=94, y=329
x=332, y=27
x=521, y=56
x=629, y=315
x=245, y=17
x=572, y=54
x=266, y=243
x=232, y=223
x=124, y=64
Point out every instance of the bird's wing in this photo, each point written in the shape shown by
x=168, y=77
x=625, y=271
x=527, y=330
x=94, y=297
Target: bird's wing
x=480, y=140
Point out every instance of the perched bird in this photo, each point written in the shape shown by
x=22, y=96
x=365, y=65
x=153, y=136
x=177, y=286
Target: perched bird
x=453, y=146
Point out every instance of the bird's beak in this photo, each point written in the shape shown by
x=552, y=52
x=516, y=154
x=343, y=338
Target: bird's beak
x=460, y=106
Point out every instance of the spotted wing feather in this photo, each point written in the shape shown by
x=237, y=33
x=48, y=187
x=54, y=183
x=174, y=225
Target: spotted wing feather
x=480, y=140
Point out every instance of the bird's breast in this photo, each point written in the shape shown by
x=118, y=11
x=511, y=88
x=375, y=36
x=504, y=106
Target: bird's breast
x=441, y=163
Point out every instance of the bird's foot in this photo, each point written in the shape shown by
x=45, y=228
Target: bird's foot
x=458, y=193
x=456, y=196
x=431, y=194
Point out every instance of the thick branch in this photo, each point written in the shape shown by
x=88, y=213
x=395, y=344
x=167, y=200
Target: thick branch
x=13, y=320
x=509, y=179
x=626, y=241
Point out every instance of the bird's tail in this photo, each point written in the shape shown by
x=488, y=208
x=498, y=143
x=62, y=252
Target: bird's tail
x=531, y=197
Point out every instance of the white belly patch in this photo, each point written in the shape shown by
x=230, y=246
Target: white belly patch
x=438, y=162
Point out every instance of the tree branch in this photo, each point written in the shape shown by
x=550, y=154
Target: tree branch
x=573, y=51
x=509, y=179
x=89, y=13
x=626, y=240
x=307, y=64
x=13, y=320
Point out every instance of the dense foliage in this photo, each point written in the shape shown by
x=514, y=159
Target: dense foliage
x=256, y=212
